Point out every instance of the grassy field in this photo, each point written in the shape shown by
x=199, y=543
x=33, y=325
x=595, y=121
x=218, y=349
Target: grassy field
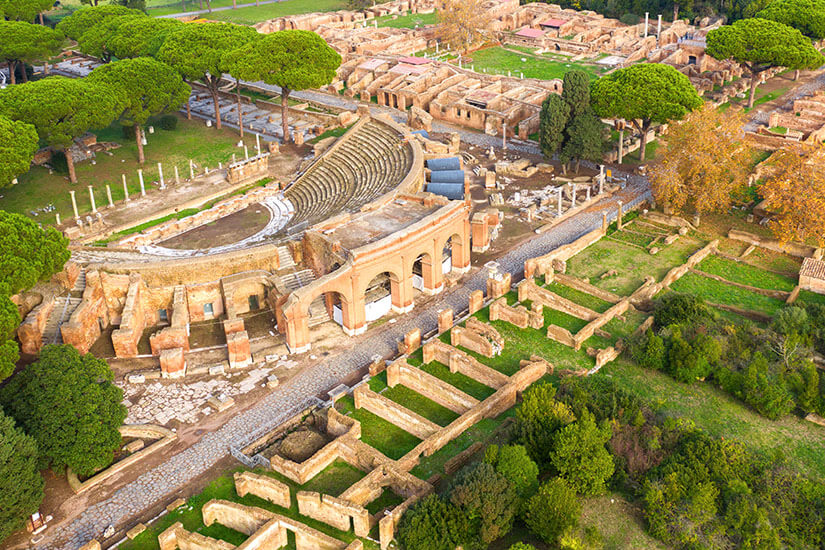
x=412, y=400
x=191, y=140
x=377, y=432
x=224, y=488
x=256, y=14
x=498, y=60
x=720, y=293
x=464, y=383
x=579, y=297
x=745, y=274
x=334, y=479
x=409, y=21
x=803, y=443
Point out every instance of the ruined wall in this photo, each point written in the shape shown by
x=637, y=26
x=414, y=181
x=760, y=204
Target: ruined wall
x=126, y=338
x=528, y=290
x=435, y=389
x=458, y=361
x=30, y=331
x=558, y=257
x=176, y=537
x=584, y=286
x=334, y=511
x=519, y=316
x=84, y=326
x=264, y=487
x=394, y=413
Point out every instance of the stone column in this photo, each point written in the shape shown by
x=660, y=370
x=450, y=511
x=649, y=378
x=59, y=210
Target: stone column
x=574, y=197
x=160, y=175
x=109, y=195
x=74, y=204
x=258, y=143
x=647, y=17
x=604, y=222
x=142, y=187
x=125, y=188
x=445, y=320
x=559, y=190
x=619, y=217
x=621, y=145
x=191, y=170
x=504, y=135
x=588, y=194
x=177, y=176
x=92, y=199
x=601, y=179
x=659, y=31
x=57, y=218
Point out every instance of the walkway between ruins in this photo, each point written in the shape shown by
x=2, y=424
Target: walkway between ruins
x=162, y=483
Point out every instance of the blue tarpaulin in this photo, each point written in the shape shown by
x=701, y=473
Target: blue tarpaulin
x=453, y=191
x=452, y=163
x=422, y=133
x=447, y=176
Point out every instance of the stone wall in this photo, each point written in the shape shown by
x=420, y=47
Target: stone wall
x=458, y=361
x=557, y=258
x=30, y=331
x=561, y=335
x=518, y=316
x=86, y=322
x=528, y=290
x=594, y=325
x=435, y=389
x=176, y=537
x=176, y=335
x=337, y=512
x=584, y=286
x=264, y=487
x=794, y=249
x=394, y=413
x=254, y=167
x=127, y=336
x=473, y=341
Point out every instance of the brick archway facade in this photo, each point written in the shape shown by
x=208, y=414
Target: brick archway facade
x=395, y=255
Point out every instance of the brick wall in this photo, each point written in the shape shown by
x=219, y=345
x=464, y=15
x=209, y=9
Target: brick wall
x=528, y=290
x=429, y=386
x=394, y=413
x=264, y=487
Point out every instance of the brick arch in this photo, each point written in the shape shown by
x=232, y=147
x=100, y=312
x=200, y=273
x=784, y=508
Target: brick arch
x=459, y=248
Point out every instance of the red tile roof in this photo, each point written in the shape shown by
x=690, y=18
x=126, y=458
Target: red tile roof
x=530, y=33
x=555, y=23
x=812, y=268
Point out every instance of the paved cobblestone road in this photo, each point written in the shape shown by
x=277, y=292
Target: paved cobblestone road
x=162, y=483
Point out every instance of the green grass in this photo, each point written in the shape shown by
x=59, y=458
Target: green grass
x=191, y=140
x=630, y=263
x=811, y=297
x=633, y=238
x=721, y=415
x=409, y=21
x=499, y=60
x=779, y=130
x=256, y=14
x=579, y=297
x=464, y=383
x=377, y=432
x=720, y=293
x=413, y=400
x=335, y=132
x=388, y=499
x=223, y=488
x=334, y=479
x=745, y=274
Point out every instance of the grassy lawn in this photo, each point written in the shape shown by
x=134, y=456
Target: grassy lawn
x=632, y=238
x=464, y=383
x=499, y=60
x=256, y=14
x=409, y=21
x=413, y=400
x=224, y=488
x=334, y=479
x=720, y=293
x=377, y=432
x=577, y=296
x=811, y=297
x=630, y=263
x=388, y=499
x=191, y=140
x=803, y=443
x=745, y=274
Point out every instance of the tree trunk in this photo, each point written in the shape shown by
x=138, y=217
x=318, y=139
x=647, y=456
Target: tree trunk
x=578, y=165
x=188, y=109
x=754, y=80
x=214, y=89
x=139, y=139
x=40, y=15
x=285, y=113
x=621, y=145
x=209, y=5
x=240, y=110
x=23, y=72
x=234, y=4
x=70, y=165
x=675, y=12
x=12, y=70
x=643, y=143
x=796, y=75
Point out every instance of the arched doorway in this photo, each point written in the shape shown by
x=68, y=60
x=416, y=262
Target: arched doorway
x=378, y=296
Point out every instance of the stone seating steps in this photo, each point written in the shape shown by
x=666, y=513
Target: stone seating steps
x=64, y=306
x=285, y=259
x=318, y=311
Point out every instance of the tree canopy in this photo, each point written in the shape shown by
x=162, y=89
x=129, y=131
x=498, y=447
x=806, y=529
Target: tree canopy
x=463, y=23
x=580, y=456
x=85, y=18
x=138, y=36
x=97, y=39
x=487, y=499
x=24, y=10
x=761, y=44
x=538, y=417
x=553, y=510
x=432, y=524
x=708, y=146
x=28, y=253
x=807, y=16
x=61, y=109
x=18, y=144
x=292, y=59
x=644, y=94
x=68, y=403
x=22, y=42
x=197, y=52
x=149, y=88
x=555, y=112
x=22, y=484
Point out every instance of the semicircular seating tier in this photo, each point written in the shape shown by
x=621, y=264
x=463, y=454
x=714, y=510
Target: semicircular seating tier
x=370, y=160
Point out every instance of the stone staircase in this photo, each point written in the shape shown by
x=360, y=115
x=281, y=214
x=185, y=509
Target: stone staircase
x=370, y=162
x=285, y=260
x=64, y=306
x=80, y=283
x=297, y=279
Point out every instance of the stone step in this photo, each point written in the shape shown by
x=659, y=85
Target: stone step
x=64, y=306
x=285, y=257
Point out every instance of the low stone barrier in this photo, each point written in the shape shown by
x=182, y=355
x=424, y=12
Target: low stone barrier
x=561, y=335
x=519, y=316
x=594, y=325
x=394, y=413
x=264, y=487
x=583, y=286
x=458, y=361
x=474, y=341
x=30, y=331
x=459, y=460
x=557, y=259
x=528, y=290
x=791, y=248
x=333, y=511
x=770, y=293
x=431, y=387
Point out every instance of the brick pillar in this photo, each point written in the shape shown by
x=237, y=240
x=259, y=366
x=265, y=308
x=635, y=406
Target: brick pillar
x=237, y=345
x=412, y=341
x=402, y=300
x=297, y=333
x=498, y=285
x=481, y=232
x=172, y=363
x=445, y=320
x=432, y=274
x=476, y=299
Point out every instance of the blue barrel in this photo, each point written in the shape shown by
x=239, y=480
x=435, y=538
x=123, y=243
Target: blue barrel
x=453, y=191
x=452, y=163
x=447, y=176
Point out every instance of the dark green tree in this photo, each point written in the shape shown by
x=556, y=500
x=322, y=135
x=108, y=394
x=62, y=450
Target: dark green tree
x=61, y=109
x=644, y=94
x=555, y=113
x=538, y=418
x=432, y=524
x=96, y=41
x=677, y=307
x=807, y=16
x=25, y=10
x=18, y=144
x=85, y=18
x=139, y=36
x=22, y=484
x=586, y=136
x=22, y=43
x=68, y=403
x=576, y=92
x=487, y=500
x=28, y=253
x=197, y=52
x=293, y=60
x=553, y=510
x=513, y=462
x=580, y=456
x=651, y=353
x=762, y=44
x=149, y=88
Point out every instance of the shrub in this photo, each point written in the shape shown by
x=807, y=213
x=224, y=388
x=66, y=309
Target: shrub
x=629, y=19
x=522, y=546
x=650, y=352
x=580, y=457
x=168, y=122
x=487, y=500
x=675, y=308
x=791, y=320
x=553, y=510
x=513, y=462
x=764, y=390
x=432, y=524
x=537, y=418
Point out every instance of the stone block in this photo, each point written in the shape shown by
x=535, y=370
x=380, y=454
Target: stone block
x=220, y=402
x=445, y=320
x=237, y=345
x=272, y=381
x=91, y=545
x=476, y=301
x=498, y=284
x=172, y=363
x=136, y=379
x=132, y=533
x=377, y=365
x=490, y=180
x=175, y=504
x=133, y=446
x=412, y=341
x=216, y=369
